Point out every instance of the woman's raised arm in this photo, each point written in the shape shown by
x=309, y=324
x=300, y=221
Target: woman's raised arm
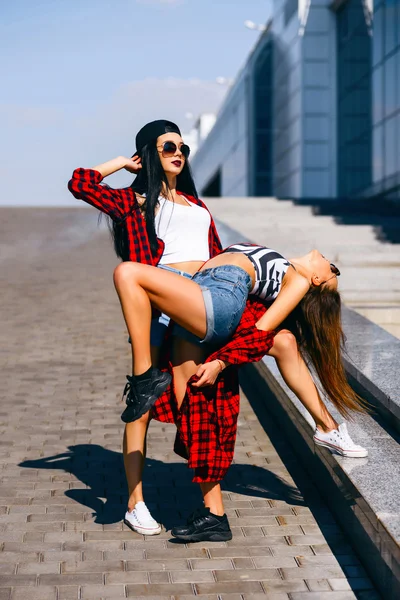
x=86, y=185
x=133, y=165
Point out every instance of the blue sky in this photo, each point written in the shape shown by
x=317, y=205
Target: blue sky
x=80, y=77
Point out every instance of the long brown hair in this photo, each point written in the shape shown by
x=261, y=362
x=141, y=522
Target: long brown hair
x=317, y=325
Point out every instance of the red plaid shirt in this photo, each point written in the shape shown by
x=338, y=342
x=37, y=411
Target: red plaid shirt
x=207, y=420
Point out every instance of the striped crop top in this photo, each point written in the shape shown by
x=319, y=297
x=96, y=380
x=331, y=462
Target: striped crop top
x=269, y=266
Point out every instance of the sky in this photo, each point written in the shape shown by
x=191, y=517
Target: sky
x=80, y=77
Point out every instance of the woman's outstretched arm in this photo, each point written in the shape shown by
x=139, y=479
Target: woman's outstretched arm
x=254, y=336
x=293, y=290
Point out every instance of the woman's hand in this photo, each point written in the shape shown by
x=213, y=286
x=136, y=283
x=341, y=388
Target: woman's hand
x=208, y=373
x=134, y=164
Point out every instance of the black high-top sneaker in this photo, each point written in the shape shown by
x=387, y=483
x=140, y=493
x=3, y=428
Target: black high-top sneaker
x=142, y=394
x=204, y=526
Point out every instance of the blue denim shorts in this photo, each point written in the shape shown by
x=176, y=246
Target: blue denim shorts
x=160, y=324
x=225, y=292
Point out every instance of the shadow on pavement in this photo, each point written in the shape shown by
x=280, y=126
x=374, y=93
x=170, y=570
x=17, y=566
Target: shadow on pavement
x=168, y=490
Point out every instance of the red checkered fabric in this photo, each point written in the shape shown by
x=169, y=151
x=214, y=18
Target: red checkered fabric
x=248, y=344
x=207, y=419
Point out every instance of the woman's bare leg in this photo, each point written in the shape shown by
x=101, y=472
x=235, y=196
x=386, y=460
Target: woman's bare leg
x=186, y=359
x=298, y=378
x=140, y=287
x=134, y=450
x=212, y=495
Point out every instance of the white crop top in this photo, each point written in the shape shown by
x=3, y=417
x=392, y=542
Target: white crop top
x=184, y=231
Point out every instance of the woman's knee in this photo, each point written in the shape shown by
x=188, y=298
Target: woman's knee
x=285, y=344
x=125, y=272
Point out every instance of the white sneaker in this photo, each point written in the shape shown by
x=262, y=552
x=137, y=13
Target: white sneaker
x=340, y=442
x=141, y=521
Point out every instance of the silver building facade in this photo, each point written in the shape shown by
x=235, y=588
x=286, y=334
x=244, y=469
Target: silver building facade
x=386, y=100
x=315, y=112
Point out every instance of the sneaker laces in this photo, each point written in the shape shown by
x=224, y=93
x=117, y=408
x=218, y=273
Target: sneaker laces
x=142, y=510
x=345, y=436
x=197, y=514
x=128, y=392
x=132, y=514
x=135, y=516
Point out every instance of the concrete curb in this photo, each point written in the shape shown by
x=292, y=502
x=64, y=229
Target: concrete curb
x=367, y=533
x=363, y=494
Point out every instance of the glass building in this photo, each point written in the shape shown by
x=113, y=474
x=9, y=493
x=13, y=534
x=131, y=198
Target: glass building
x=354, y=94
x=386, y=100
x=315, y=112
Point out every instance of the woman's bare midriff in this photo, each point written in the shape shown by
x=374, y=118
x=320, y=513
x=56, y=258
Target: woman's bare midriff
x=191, y=266
x=231, y=258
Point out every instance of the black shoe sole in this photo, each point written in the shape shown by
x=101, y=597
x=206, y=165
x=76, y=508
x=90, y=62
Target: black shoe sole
x=206, y=536
x=128, y=417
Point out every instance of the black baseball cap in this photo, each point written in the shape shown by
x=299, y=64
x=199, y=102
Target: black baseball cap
x=152, y=131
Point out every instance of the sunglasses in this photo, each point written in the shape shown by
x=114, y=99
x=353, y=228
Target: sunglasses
x=334, y=270
x=169, y=149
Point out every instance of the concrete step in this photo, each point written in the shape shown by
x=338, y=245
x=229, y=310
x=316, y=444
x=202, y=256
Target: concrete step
x=364, y=493
x=273, y=213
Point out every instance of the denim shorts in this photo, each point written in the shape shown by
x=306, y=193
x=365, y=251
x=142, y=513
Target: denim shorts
x=160, y=324
x=225, y=292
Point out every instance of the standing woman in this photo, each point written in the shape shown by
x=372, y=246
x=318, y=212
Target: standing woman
x=158, y=220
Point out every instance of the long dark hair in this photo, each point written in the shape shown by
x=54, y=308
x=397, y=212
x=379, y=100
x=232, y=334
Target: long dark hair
x=150, y=181
x=316, y=323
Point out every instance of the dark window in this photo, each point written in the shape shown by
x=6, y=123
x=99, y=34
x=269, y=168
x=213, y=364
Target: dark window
x=354, y=101
x=262, y=124
x=289, y=10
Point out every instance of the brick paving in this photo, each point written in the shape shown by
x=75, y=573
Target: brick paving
x=64, y=357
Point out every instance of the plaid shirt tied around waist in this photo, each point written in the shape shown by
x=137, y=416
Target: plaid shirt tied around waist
x=207, y=420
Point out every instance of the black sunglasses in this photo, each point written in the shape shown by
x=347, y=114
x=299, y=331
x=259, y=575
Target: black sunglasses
x=334, y=270
x=170, y=148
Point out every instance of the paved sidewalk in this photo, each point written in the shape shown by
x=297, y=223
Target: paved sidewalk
x=64, y=357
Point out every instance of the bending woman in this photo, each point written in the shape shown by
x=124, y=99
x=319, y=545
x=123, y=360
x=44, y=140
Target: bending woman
x=316, y=322
x=210, y=307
